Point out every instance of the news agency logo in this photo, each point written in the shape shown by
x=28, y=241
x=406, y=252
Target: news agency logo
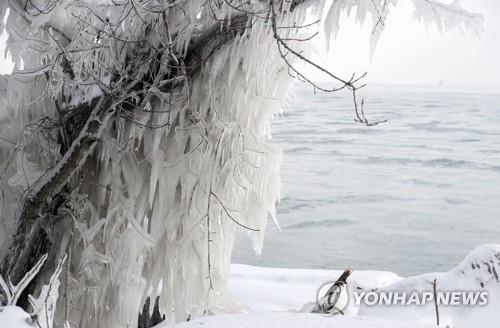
x=443, y=298
x=333, y=298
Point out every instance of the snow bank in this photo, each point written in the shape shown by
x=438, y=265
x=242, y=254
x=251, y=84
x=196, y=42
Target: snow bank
x=479, y=271
x=273, y=297
x=276, y=296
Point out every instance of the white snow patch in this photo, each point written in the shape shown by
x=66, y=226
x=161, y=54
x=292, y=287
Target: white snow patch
x=271, y=289
x=294, y=320
x=14, y=317
x=479, y=271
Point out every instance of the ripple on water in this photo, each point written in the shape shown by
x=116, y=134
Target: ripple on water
x=427, y=181
x=455, y=201
x=319, y=224
x=433, y=163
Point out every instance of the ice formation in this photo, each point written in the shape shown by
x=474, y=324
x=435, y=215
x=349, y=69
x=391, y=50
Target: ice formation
x=155, y=205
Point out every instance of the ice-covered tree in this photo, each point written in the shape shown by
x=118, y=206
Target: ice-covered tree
x=133, y=140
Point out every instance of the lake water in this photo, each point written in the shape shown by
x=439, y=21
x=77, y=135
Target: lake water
x=413, y=195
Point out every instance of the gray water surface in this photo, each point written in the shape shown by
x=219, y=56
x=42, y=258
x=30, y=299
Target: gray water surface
x=412, y=195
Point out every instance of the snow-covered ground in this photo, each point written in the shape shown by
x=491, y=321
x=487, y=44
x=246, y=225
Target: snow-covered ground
x=12, y=316
x=295, y=320
x=275, y=297
x=272, y=297
x=278, y=290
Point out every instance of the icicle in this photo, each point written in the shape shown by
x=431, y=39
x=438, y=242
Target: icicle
x=44, y=307
x=448, y=16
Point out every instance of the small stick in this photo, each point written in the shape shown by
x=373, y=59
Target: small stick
x=435, y=300
x=344, y=276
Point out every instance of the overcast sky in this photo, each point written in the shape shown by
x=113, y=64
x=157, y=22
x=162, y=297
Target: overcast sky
x=410, y=53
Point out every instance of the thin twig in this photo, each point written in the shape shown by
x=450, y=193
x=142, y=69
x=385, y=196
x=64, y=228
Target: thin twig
x=434, y=289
